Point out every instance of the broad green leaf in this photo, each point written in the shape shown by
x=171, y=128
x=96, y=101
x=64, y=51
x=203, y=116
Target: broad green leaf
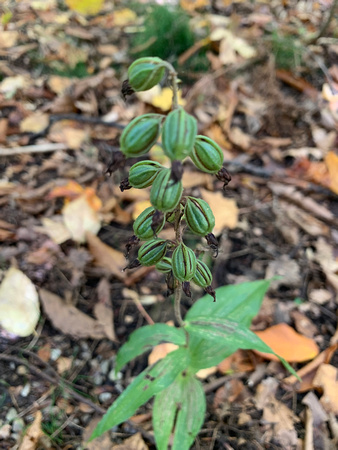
x=184, y=400
x=145, y=338
x=231, y=334
x=150, y=382
x=238, y=302
x=190, y=416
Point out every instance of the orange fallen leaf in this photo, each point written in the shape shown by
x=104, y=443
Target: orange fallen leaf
x=289, y=344
x=70, y=191
x=33, y=434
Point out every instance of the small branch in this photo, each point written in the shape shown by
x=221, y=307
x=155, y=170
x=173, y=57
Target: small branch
x=41, y=148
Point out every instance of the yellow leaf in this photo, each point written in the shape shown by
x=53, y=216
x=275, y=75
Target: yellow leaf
x=225, y=210
x=124, y=17
x=34, y=123
x=289, y=344
x=19, y=303
x=160, y=98
x=85, y=6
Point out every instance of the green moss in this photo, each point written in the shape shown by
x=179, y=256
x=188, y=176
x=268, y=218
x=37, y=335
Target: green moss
x=287, y=50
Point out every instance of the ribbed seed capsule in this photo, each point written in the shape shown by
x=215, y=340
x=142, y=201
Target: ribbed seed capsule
x=165, y=194
x=183, y=263
x=142, y=225
x=207, y=155
x=199, y=216
x=151, y=252
x=145, y=73
x=164, y=265
x=140, y=135
x=178, y=134
x=202, y=277
x=143, y=173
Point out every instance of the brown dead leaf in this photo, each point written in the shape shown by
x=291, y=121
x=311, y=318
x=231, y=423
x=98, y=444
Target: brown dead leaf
x=102, y=442
x=303, y=324
x=289, y=344
x=327, y=379
x=44, y=352
x=103, y=309
x=63, y=364
x=135, y=442
x=276, y=413
x=107, y=257
x=68, y=319
x=33, y=434
x=232, y=391
x=308, y=372
x=237, y=362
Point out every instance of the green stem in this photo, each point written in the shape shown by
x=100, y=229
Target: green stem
x=174, y=83
x=177, y=304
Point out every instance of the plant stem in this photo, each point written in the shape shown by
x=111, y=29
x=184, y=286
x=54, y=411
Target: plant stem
x=174, y=83
x=177, y=304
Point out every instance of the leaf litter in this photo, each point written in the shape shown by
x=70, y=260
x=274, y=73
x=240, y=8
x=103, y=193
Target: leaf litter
x=272, y=106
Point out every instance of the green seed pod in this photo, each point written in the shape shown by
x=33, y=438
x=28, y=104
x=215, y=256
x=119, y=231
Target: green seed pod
x=178, y=134
x=202, y=277
x=183, y=263
x=207, y=155
x=140, y=135
x=145, y=73
x=143, y=173
x=164, y=265
x=142, y=225
x=151, y=252
x=199, y=216
x=165, y=194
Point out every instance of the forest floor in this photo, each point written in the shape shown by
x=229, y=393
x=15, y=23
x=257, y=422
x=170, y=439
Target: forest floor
x=262, y=80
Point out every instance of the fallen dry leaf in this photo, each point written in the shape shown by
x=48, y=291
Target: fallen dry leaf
x=225, y=210
x=34, y=123
x=103, y=309
x=160, y=98
x=276, y=413
x=289, y=344
x=55, y=229
x=308, y=372
x=68, y=319
x=33, y=434
x=135, y=442
x=106, y=256
x=80, y=218
x=327, y=379
x=19, y=303
x=100, y=443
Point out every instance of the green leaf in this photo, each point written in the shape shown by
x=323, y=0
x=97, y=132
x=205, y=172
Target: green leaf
x=184, y=400
x=150, y=382
x=145, y=338
x=224, y=332
x=238, y=302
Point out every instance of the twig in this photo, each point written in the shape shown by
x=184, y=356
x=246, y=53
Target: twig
x=40, y=148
